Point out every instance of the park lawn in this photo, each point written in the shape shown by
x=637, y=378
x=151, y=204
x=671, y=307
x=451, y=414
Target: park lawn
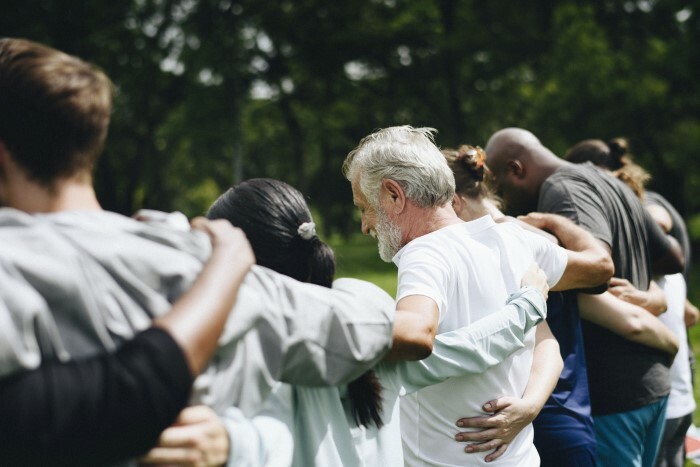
x=358, y=257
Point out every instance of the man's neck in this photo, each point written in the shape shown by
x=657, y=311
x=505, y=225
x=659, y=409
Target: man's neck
x=422, y=221
x=64, y=195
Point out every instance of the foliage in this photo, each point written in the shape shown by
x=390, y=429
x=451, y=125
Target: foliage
x=212, y=91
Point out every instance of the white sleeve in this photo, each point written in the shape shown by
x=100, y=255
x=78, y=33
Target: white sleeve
x=265, y=439
x=424, y=270
x=550, y=257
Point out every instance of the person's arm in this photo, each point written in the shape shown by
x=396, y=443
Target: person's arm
x=475, y=348
x=691, y=314
x=589, y=263
x=652, y=300
x=300, y=334
x=627, y=320
x=666, y=253
x=212, y=295
x=201, y=437
x=512, y=414
x=101, y=409
x=415, y=326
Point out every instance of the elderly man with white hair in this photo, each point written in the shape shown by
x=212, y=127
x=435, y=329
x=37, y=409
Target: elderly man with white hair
x=452, y=273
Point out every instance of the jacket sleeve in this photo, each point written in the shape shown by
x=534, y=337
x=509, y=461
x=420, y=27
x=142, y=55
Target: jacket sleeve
x=284, y=330
x=96, y=410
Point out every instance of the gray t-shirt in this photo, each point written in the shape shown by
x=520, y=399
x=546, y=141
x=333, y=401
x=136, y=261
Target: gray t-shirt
x=623, y=375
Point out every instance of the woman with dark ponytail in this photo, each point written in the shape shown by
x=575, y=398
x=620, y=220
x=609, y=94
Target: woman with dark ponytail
x=278, y=224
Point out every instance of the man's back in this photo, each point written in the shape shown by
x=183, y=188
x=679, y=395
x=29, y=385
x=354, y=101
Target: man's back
x=465, y=279
x=622, y=375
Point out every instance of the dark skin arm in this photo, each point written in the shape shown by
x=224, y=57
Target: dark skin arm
x=589, y=261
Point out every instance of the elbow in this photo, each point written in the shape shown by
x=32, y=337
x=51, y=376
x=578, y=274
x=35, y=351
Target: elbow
x=606, y=269
x=632, y=328
x=423, y=350
x=420, y=346
x=414, y=342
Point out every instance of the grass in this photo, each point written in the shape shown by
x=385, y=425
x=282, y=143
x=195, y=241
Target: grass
x=358, y=257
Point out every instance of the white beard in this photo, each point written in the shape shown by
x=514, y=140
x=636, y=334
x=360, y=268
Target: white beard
x=388, y=236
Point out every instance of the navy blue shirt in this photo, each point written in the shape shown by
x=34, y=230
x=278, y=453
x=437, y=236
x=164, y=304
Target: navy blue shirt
x=565, y=422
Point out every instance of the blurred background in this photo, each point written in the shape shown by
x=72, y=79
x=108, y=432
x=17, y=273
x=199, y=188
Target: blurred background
x=210, y=92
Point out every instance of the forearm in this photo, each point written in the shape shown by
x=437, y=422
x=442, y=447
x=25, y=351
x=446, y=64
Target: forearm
x=691, y=314
x=546, y=369
x=415, y=327
x=655, y=302
x=627, y=320
x=589, y=263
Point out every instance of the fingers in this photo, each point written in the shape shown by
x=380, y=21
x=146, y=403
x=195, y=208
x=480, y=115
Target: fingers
x=617, y=281
x=535, y=277
x=173, y=456
x=536, y=219
x=478, y=436
x=498, y=404
x=195, y=414
x=497, y=453
x=182, y=436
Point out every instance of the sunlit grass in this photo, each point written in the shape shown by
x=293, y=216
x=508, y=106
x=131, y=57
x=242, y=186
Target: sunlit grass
x=358, y=257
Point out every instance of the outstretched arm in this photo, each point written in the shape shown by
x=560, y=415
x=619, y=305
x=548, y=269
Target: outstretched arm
x=589, y=262
x=627, y=320
x=652, y=300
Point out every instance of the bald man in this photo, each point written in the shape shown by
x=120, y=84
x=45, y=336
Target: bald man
x=629, y=383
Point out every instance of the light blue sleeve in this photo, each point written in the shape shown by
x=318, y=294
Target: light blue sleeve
x=265, y=439
x=475, y=348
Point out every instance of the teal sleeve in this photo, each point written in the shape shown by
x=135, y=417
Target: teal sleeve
x=475, y=348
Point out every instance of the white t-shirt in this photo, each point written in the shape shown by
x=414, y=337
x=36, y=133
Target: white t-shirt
x=468, y=269
x=680, y=401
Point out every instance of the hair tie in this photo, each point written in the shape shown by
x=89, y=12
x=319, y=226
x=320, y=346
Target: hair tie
x=470, y=153
x=307, y=230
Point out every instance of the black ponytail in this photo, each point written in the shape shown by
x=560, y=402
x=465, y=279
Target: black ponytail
x=271, y=212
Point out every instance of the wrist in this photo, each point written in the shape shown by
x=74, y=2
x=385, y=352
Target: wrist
x=532, y=407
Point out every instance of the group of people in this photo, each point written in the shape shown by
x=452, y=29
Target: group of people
x=155, y=340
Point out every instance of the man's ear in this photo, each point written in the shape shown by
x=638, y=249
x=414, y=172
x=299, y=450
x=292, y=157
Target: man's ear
x=457, y=204
x=395, y=195
x=516, y=168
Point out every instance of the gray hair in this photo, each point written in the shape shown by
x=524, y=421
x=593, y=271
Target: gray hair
x=406, y=155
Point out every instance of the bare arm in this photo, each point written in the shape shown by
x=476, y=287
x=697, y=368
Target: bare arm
x=415, y=326
x=589, y=262
x=627, y=320
x=691, y=314
x=512, y=414
x=652, y=300
x=212, y=296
